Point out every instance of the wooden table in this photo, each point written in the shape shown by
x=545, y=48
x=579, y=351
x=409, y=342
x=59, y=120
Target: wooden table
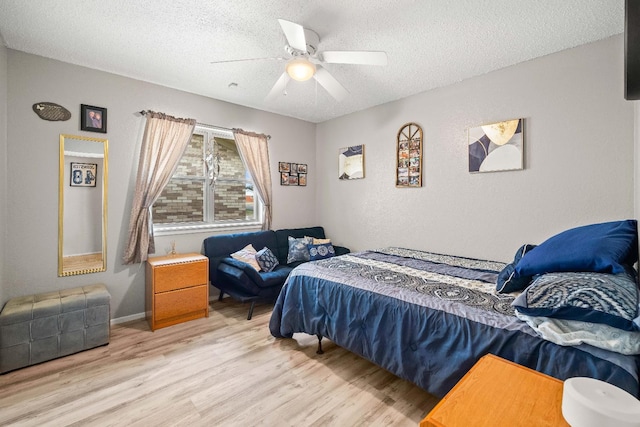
x=497, y=392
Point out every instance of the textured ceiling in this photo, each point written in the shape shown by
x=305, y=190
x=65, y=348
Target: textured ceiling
x=429, y=43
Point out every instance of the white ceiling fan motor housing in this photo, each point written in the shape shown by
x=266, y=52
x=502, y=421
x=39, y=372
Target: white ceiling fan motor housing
x=312, y=40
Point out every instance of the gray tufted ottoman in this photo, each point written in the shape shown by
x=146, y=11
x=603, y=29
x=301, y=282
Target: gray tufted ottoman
x=41, y=327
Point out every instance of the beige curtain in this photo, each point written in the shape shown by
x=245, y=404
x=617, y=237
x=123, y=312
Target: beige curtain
x=254, y=150
x=165, y=140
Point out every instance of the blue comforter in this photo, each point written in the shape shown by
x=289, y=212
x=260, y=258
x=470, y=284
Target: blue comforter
x=428, y=318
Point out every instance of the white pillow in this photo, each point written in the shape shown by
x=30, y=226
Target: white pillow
x=248, y=255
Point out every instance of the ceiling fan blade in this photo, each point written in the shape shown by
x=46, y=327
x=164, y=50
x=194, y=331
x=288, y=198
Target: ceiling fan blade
x=278, y=88
x=355, y=57
x=329, y=82
x=294, y=34
x=277, y=58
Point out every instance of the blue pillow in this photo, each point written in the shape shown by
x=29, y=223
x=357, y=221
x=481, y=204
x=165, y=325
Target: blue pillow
x=321, y=251
x=266, y=259
x=298, y=250
x=610, y=247
x=507, y=282
x=588, y=297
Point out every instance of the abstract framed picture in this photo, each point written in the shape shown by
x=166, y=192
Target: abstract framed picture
x=93, y=119
x=351, y=162
x=83, y=174
x=497, y=146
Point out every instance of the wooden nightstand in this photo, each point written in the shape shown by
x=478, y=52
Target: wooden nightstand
x=177, y=289
x=497, y=392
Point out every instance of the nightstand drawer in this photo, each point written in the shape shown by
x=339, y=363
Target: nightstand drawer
x=179, y=275
x=181, y=302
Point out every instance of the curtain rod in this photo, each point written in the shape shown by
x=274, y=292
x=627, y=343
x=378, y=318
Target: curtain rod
x=144, y=113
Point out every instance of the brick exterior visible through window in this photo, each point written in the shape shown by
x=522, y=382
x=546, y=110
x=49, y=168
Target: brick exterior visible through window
x=188, y=198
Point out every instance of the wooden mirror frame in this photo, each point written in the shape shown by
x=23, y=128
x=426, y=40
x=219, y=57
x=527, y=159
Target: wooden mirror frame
x=92, y=262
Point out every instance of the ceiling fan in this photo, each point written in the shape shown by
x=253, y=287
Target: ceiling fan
x=304, y=61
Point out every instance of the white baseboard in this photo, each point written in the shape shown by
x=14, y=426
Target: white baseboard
x=139, y=316
x=129, y=318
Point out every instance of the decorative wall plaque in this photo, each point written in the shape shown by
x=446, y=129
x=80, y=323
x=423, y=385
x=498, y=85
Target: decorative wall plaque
x=51, y=112
x=409, y=156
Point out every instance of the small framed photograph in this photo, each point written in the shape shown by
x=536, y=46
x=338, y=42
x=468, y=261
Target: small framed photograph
x=302, y=179
x=284, y=167
x=293, y=180
x=83, y=174
x=294, y=168
x=284, y=178
x=302, y=168
x=93, y=119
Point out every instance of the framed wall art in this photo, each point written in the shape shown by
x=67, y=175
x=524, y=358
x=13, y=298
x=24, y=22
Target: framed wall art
x=83, y=174
x=284, y=167
x=293, y=174
x=93, y=119
x=351, y=162
x=497, y=146
x=409, y=156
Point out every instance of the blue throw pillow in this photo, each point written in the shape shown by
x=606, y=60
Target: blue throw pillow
x=321, y=251
x=507, y=282
x=298, y=250
x=266, y=259
x=610, y=299
x=610, y=247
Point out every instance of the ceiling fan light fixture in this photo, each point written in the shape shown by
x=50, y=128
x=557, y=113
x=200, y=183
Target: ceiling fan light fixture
x=300, y=69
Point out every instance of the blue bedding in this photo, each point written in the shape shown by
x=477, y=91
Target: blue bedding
x=428, y=318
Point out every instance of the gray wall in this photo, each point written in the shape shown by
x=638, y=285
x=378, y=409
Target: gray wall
x=32, y=220
x=579, y=159
x=3, y=166
x=579, y=167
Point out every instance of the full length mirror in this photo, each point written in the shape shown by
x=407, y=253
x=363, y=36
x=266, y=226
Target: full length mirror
x=82, y=205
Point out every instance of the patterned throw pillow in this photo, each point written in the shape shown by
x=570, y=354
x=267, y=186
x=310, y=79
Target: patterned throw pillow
x=322, y=251
x=611, y=299
x=248, y=255
x=298, y=250
x=266, y=259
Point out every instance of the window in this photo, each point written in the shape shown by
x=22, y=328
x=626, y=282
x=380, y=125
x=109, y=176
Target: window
x=210, y=188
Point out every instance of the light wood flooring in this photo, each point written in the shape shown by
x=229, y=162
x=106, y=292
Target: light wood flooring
x=218, y=371
x=82, y=262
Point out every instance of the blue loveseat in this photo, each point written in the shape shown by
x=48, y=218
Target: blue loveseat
x=241, y=281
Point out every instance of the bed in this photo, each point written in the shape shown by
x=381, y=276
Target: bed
x=428, y=318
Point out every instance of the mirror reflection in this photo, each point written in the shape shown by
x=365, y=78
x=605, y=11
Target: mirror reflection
x=82, y=204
